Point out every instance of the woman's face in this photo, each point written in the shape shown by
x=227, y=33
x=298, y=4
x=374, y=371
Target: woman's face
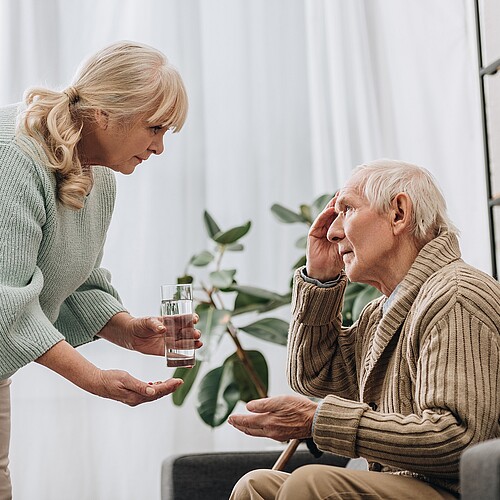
x=122, y=148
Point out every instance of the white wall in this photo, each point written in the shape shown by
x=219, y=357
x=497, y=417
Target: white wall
x=286, y=97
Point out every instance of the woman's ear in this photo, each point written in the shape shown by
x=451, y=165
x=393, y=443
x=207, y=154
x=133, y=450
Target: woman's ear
x=101, y=118
x=401, y=208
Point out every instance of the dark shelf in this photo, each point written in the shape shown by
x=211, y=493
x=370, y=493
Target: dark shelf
x=493, y=199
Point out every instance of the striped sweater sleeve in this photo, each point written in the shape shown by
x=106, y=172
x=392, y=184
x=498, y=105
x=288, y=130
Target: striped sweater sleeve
x=316, y=337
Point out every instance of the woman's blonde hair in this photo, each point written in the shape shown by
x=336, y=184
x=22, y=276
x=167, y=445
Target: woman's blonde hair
x=381, y=180
x=128, y=81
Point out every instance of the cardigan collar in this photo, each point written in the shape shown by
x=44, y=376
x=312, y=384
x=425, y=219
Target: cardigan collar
x=436, y=254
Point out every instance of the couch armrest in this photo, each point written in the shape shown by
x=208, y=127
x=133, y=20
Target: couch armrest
x=480, y=471
x=211, y=476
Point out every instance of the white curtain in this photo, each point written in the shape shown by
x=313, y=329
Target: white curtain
x=286, y=96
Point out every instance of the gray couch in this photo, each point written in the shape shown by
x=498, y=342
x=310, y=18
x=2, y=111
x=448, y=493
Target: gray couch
x=480, y=471
x=211, y=476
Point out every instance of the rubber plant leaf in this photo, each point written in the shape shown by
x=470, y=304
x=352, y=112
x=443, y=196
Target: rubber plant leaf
x=271, y=329
x=232, y=235
x=210, y=225
x=212, y=324
x=362, y=299
x=319, y=204
x=217, y=395
x=202, y=259
x=189, y=376
x=222, y=279
x=286, y=215
x=247, y=388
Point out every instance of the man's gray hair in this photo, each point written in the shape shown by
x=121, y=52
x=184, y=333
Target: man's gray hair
x=381, y=180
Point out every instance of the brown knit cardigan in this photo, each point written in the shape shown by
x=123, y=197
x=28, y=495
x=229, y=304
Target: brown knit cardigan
x=410, y=389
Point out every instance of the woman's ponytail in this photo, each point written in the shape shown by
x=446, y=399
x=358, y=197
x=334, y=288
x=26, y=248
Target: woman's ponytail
x=53, y=120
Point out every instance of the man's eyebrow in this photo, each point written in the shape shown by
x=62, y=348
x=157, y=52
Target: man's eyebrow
x=340, y=201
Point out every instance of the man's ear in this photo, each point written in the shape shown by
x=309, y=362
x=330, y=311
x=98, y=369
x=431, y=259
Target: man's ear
x=101, y=118
x=401, y=210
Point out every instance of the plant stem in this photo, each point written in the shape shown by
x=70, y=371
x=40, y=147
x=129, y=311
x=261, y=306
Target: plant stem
x=222, y=249
x=242, y=354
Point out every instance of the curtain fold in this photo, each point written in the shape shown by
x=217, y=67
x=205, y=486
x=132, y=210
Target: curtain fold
x=286, y=97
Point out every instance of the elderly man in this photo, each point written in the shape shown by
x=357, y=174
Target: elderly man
x=415, y=380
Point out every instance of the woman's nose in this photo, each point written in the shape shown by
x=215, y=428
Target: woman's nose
x=157, y=145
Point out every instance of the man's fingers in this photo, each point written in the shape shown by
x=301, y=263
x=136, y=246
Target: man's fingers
x=263, y=405
x=248, y=423
x=323, y=222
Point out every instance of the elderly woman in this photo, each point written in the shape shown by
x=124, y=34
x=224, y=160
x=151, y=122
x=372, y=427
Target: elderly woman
x=415, y=380
x=57, y=191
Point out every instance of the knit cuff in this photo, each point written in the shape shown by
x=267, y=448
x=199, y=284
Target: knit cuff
x=336, y=426
x=313, y=305
x=84, y=314
x=322, y=284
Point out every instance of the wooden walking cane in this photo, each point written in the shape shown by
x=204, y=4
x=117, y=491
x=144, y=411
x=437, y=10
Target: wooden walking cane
x=286, y=454
x=293, y=443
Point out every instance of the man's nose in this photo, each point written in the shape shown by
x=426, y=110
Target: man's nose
x=336, y=230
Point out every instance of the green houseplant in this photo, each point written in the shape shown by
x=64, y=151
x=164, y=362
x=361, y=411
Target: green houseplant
x=220, y=302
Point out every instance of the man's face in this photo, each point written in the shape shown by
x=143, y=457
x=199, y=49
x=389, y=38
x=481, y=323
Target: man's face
x=365, y=238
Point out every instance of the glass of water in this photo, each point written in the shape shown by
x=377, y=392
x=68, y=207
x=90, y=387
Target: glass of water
x=177, y=316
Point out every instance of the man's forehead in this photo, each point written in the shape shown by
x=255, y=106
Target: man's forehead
x=347, y=192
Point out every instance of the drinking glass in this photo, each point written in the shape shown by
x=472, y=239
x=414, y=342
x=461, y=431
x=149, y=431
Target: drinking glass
x=177, y=316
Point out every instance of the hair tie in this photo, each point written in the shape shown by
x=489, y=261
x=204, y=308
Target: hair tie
x=72, y=95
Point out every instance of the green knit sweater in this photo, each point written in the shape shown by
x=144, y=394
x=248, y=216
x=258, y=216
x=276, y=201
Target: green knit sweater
x=411, y=388
x=51, y=286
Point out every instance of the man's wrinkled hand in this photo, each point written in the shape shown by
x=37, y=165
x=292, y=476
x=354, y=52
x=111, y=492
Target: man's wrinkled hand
x=280, y=418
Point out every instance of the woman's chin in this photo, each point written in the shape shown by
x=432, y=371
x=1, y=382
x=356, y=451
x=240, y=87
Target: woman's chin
x=127, y=169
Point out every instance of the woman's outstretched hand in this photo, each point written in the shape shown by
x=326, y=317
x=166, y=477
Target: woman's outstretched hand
x=119, y=385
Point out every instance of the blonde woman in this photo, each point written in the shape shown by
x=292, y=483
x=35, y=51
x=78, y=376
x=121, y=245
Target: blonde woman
x=57, y=191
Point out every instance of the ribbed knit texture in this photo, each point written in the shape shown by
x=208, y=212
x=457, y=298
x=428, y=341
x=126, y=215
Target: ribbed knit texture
x=412, y=388
x=51, y=286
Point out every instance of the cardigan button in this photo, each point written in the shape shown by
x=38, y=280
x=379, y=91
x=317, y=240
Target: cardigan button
x=376, y=467
x=373, y=406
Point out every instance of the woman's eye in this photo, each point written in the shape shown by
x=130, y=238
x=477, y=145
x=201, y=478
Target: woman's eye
x=156, y=129
x=347, y=208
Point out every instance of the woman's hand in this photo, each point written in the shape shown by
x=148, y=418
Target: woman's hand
x=324, y=262
x=119, y=385
x=141, y=334
x=280, y=418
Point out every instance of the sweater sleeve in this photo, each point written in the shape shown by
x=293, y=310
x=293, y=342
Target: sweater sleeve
x=85, y=312
x=25, y=331
x=321, y=353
